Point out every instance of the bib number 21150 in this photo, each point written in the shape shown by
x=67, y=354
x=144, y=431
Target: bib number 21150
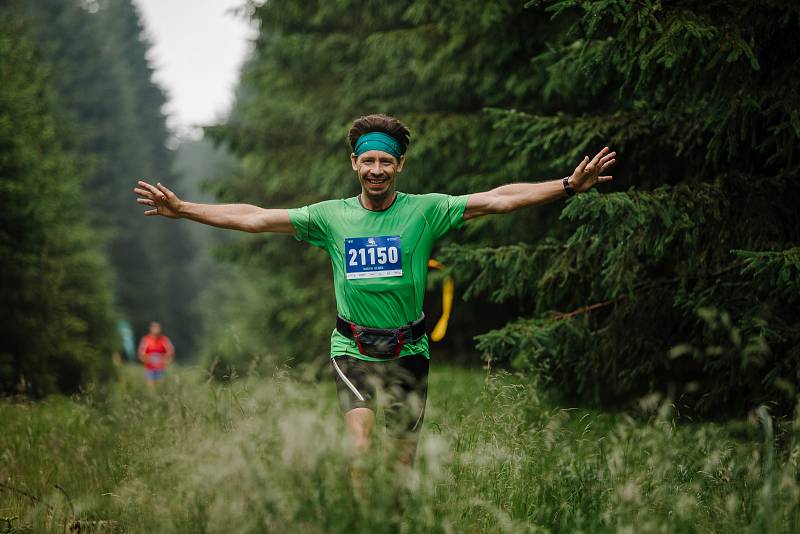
x=373, y=257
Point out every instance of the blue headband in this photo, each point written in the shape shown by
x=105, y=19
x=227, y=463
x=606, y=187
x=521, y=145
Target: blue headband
x=378, y=141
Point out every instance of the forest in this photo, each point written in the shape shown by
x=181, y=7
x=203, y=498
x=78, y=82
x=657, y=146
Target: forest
x=661, y=306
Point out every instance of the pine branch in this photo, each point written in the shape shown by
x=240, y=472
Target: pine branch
x=589, y=308
x=642, y=289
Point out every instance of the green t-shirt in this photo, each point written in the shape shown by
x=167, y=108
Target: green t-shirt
x=379, y=258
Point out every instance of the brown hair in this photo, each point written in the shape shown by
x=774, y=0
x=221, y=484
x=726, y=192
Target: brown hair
x=379, y=123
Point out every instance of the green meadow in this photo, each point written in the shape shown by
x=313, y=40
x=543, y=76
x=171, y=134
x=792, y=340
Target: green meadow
x=267, y=453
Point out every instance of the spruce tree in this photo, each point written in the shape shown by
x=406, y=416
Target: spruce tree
x=684, y=281
x=98, y=54
x=57, y=316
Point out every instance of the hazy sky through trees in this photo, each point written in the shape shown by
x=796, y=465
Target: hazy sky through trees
x=198, y=48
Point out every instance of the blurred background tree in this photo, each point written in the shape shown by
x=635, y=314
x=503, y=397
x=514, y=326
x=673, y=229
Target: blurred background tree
x=97, y=52
x=95, y=114
x=57, y=313
x=312, y=73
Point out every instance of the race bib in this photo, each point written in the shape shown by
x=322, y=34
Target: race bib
x=373, y=257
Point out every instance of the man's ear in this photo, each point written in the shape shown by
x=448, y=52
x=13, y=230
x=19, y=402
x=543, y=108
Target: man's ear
x=353, y=160
x=400, y=163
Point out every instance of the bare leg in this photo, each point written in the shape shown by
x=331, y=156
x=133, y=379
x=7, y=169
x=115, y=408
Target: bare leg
x=359, y=423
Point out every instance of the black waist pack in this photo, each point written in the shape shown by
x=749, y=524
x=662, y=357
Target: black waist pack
x=383, y=343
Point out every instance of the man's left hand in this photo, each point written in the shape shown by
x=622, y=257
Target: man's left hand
x=590, y=172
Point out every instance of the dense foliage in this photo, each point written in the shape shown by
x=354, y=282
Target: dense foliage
x=681, y=277
x=56, y=320
x=97, y=51
x=82, y=121
x=687, y=281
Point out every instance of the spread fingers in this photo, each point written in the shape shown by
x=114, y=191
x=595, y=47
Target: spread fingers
x=142, y=192
x=156, y=194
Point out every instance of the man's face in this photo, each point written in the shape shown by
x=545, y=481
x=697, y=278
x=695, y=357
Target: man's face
x=155, y=329
x=376, y=172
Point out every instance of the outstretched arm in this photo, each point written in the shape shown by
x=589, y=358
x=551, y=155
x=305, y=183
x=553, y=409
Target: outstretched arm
x=507, y=198
x=244, y=217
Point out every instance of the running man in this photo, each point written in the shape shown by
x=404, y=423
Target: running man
x=156, y=353
x=379, y=243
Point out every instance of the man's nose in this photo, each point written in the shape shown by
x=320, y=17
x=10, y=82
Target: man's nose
x=375, y=168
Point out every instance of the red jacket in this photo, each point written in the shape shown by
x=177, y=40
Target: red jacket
x=155, y=349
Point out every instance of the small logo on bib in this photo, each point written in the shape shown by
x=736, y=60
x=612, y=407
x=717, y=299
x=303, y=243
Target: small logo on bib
x=373, y=257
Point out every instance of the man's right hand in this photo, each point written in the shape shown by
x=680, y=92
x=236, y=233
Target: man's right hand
x=163, y=201
x=244, y=217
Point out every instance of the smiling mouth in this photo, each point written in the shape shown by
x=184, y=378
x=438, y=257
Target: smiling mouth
x=377, y=181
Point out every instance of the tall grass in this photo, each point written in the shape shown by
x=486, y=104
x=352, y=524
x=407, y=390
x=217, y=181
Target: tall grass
x=268, y=454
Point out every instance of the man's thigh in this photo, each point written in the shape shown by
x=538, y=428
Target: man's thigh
x=356, y=384
x=400, y=387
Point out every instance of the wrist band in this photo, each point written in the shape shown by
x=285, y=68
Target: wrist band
x=568, y=188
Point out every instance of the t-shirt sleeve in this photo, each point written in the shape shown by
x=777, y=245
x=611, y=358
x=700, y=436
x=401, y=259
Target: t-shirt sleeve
x=309, y=225
x=446, y=212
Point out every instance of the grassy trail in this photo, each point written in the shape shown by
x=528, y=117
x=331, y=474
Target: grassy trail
x=267, y=454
